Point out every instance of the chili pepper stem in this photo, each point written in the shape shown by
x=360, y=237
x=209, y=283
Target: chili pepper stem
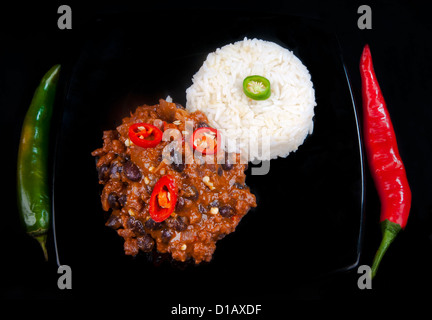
x=389, y=232
x=42, y=241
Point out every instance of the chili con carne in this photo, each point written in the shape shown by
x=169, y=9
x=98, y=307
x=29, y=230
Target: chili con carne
x=387, y=168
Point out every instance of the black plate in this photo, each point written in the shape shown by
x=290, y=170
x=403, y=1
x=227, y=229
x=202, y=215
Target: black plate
x=308, y=222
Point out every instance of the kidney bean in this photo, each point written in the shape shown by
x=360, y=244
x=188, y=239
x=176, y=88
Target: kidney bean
x=113, y=222
x=178, y=167
x=190, y=192
x=229, y=160
x=221, y=236
x=239, y=186
x=131, y=171
x=214, y=203
x=103, y=172
x=166, y=235
x=219, y=171
x=180, y=204
x=153, y=225
x=149, y=189
x=122, y=200
x=114, y=170
x=201, y=208
x=113, y=201
x=145, y=243
x=181, y=223
x=136, y=226
x=169, y=222
x=177, y=161
x=227, y=165
x=178, y=224
x=226, y=211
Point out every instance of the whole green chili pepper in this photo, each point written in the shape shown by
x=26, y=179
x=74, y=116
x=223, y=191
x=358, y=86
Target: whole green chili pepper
x=33, y=191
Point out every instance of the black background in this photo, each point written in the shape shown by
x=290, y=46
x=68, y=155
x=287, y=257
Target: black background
x=399, y=40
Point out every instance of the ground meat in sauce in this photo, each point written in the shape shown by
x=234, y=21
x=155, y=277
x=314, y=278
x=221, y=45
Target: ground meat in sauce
x=202, y=216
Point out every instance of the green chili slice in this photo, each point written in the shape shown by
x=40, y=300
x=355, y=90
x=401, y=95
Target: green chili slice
x=256, y=87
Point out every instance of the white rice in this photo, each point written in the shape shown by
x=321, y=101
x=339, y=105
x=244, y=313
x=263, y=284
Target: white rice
x=260, y=130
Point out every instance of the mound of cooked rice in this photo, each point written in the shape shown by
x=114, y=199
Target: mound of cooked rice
x=260, y=130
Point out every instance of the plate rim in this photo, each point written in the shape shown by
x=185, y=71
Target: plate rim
x=316, y=21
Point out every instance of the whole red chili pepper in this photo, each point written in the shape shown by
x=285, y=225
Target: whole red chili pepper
x=385, y=163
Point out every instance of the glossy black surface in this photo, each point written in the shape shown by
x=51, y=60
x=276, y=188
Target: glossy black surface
x=309, y=215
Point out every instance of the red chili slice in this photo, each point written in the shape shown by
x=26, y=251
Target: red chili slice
x=145, y=135
x=163, y=198
x=205, y=140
